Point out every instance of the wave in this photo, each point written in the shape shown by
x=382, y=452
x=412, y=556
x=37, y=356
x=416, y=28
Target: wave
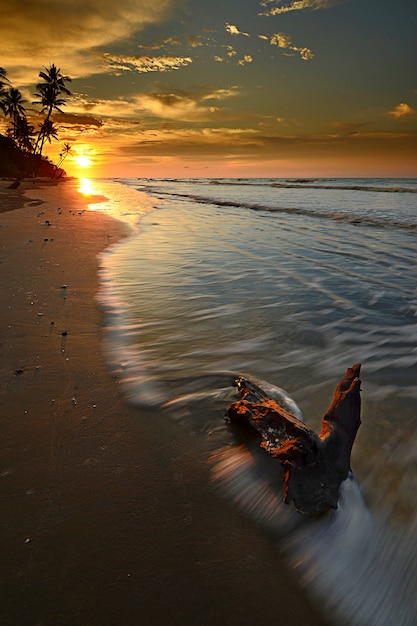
x=295, y=184
x=351, y=217
x=380, y=185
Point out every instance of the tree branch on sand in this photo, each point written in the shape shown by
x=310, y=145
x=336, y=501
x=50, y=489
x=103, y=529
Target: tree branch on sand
x=314, y=466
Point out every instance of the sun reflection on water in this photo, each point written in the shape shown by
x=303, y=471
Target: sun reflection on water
x=120, y=201
x=86, y=187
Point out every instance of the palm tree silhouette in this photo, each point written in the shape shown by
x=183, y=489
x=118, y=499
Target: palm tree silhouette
x=13, y=107
x=66, y=150
x=47, y=132
x=50, y=93
x=4, y=82
x=3, y=77
x=23, y=134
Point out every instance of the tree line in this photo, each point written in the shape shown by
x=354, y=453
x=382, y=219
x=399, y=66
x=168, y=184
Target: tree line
x=51, y=93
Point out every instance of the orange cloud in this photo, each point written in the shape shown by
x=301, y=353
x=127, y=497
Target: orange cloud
x=32, y=33
x=297, y=5
x=233, y=30
x=282, y=40
x=401, y=110
x=145, y=63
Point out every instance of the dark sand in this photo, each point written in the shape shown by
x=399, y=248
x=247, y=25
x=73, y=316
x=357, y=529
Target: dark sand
x=108, y=517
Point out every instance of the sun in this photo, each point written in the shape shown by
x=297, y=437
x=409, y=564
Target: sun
x=83, y=160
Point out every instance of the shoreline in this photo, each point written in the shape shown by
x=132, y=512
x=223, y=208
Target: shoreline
x=108, y=517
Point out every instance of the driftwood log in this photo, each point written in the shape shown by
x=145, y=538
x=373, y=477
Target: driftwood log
x=314, y=466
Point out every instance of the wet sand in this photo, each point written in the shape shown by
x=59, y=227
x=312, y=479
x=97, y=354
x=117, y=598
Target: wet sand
x=108, y=517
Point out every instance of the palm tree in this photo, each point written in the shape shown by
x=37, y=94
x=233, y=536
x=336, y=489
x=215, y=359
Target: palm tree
x=4, y=82
x=50, y=97
x=23, y=134
x=3, y=78
x=13, y=108
x=66, y=150
x=47, y=132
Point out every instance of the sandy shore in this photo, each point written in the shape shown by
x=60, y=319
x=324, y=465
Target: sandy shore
x=107, y=515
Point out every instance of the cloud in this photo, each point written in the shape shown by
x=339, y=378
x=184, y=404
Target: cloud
x=126, y=144
x=166, y=41
x=349, y=128
x=231, y=53
x=193, y=106
x=247, y=58
x=224, y=142
x=195, y=41
x=297, y=5
x=99, y=109
x=219, y=94
x=69, y=33
x=401, y=110
x=171, y=106
x=145, y=63
x=281, y=40
x=72, y=119
x=374, y=136
x=197, y=105
x=182, y=142
x=233, y=30
x=284, y=41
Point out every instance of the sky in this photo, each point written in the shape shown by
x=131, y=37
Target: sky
x=224, y=88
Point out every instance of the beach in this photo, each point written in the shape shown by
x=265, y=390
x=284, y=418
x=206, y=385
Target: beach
x=108, y=514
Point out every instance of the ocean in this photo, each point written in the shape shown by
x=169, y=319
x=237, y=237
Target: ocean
x=291, y=282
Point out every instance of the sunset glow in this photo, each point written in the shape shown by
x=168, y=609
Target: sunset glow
x=263, y=88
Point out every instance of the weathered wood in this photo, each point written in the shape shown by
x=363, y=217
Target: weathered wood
x=314, y=466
